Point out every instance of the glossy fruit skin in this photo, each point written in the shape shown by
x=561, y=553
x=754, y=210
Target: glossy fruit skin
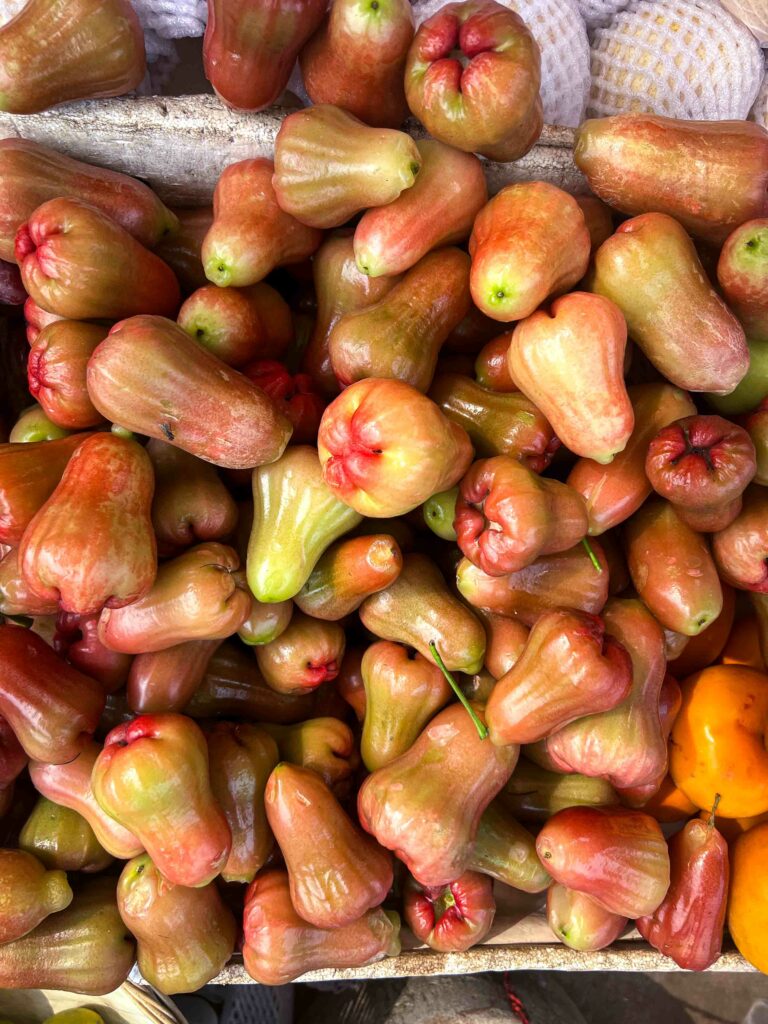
x=507, y=516
x=266, y=622
x=249, y=53
x=12, y=291
x=325, y=745
x=741, y=273
x=181, y=246
x=152, y=776
x=91, y=544
x=99, y=53
x=184, y=936
x=670, y=702
x=688, y=925
x=51, y=707
x=650, y=269
x=305, y=655
x=56, y=371
x=616, y=856
x=616, y=490
x=563, y=580
x=403, y=691
x=568, y=669
x=439, y=209
x=82, y=949
x=491, y=365
x=505, y=641
x=710, y=176
x=349, y=683
x=295, y=394
x=740, y=548
x=756, y=425
x=150, y=377
x=279, y=946
x=418, y=609
x=356, y=59
x=13, y=759
x=29, y=894
x=717, y=743
x=487, y=99
x=166, y=680
x=36, y=317
x=747, y=898
x=451, y=918
x=496, y=423
x=672, y=569
x=506, y=850
x=350, y=571
x=669, y=804
x=329, y=165
x=373, y=437
x=400, y=337
x=62, y=839
x=528, y=243
x=230, y=323
x=195, y=596
x=336, y=872
x=534, y=794
x=16, y=596
x=579, y=922
x=296, y=518
x=426, y=805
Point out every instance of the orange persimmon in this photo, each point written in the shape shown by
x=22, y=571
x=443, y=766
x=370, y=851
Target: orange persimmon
x=748, y=897
x=669, y=803
x=743, y=645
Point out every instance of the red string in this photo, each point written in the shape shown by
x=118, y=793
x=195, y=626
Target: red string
x=515, y=1002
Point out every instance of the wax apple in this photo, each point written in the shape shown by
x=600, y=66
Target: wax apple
x=30, y=893
x=505, y=641
x=279, y=946
x=181, y=247
x=506, y=851
x=249, y=53
x=377, y=428
x=743, y=276
x=756, y=425
x=329, y=165
x=529, y=242
x=62, y=839
x=670, y=702
x=740, y=549
x=184, y=936
x=579, y=922
x=33, y=425
x=349, y=683
x=711, y=176
x=29, y=474
x=91, y=544
x=307, y=653
x=99, y=52
x=349, y=571
x=150, y=377
x=492, y=366
x=534, y=794
x=238, y=324
x=296, y=395
x=266, y=622
x=472, y=78
x=12, y=290
x=152, y=777
x=56, y=372
x=324, y=745
x=37, y=318
x=16, y=596
x=450, y=918
x=167, y=679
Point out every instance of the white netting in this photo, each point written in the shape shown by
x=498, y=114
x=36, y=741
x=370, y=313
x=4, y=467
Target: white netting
x=9, y=9
x=599, y=12
x=681, y=58
x=561, y=34
x=754, y=14
x=173, y=19
x=760, y=109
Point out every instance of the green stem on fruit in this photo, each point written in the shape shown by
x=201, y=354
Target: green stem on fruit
x=592, y=556
x=482, y=731
x=713, y=812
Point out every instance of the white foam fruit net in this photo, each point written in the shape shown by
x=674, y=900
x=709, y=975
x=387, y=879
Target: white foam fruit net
x=760, y=109
x=599, y=12
x=754, y=14
x=680, y=58
x=561, y=34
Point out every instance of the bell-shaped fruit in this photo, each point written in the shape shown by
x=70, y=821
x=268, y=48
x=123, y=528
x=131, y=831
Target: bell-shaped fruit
x=450, y=918
x=403, y=691
x=184, y=937
x=279, y=946
x=266, y=622
x=251, y=234
x=711, y=176
x=756, y=425
x=349, y=571
x=324, y=745
x=78, y=262
x=356, y=59
x=569, y=669
x=329, y=165
x=152, y=777
x=62, y=839
x=249, y=52
x=507, y=516
x=149, y=376
x=194, y=597
x=743, y=276
x=534, y=794
x=440, y=209
x=528, y=243
x=336, y=873
x=670, y=702
x=51, y=707
x=472, y=78
x=672, y=569
x=190, y=503
x=570, y=362
x=492, y=366
x=295, y=394
x=16, y=596
x=599, y=218
x=99, y=52
x=33, y=425
x=741, y=548
x=649, y=268
x=439, y=512
x=401, y=335
x=56, y=372
x=507, y=851
x=84, y=948
x=579, y=922
x=385, y=448
x=349, y=682
x=29, y=474
x=419, y=610
x=688, y=925
x=70, y=785
x=707, y=647
x=568, y=579
x=505, y=641
x=296, y=517
x=426, y=805
x=181, y=247
x=92, y=544
x=615, y=855
x=166, y=680
x=307, y=653
x=13, y=759
x=29, y=893
x=496, y=423
x=614, y=491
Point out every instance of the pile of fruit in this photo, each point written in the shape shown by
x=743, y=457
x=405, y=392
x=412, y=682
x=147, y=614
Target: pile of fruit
x=353, y=558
